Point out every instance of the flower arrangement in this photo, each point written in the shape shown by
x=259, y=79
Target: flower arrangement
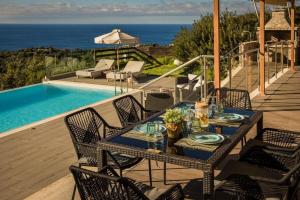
x=173, y=119
x=173, y=116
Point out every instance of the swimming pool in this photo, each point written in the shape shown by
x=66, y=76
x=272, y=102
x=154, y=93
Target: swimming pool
x=27, y=105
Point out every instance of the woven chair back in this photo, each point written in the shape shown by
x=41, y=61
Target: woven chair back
x=104, y=185
x=129, y=110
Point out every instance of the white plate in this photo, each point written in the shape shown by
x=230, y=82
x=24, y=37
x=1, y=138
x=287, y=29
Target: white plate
x=142, y=128
x=229, y=117
x=208, y=138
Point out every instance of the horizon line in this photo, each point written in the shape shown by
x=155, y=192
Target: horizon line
x=96, y=23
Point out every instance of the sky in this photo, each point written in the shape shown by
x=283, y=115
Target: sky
x=112, y=11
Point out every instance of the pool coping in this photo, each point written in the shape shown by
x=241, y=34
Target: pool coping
x=86, y=85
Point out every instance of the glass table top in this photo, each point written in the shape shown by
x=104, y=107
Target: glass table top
x=169, y=146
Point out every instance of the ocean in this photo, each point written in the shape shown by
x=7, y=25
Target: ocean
x=19, y=36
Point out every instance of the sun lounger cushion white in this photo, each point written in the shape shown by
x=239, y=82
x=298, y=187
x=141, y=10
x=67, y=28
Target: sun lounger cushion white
x=102, y=66
x=194, y=81
x=132, y=68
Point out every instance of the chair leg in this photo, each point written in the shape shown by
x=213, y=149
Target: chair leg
x=121, y=173
x=243, y=142
x=150, y=171
x=165, y=173
x=74, y=191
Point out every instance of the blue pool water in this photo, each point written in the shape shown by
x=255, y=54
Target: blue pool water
x=30, y=104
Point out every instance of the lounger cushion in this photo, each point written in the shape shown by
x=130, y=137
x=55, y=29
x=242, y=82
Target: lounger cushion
x=89, y=73
x=117, y=75
x=132, y=67
x=105, y=64
x=102, y=65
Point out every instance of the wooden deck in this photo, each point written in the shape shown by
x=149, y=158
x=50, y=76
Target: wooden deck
x=39, y=157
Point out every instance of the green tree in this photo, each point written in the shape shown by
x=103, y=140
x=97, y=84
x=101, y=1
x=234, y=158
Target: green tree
x=199, y=39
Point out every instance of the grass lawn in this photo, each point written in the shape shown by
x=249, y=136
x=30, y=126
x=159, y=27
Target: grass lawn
x=160, y=70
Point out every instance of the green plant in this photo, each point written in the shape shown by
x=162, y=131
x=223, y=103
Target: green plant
x=173, y=116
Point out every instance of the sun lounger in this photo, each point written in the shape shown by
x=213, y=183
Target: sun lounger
x=102, y=66
x=132, y=69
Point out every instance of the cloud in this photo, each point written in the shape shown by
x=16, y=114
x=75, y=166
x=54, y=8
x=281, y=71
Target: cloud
x=65, y=10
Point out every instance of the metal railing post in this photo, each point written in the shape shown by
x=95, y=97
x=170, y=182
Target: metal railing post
x=257, y=58
x=230, y=72
x=201, y=87
x=127, y=82
x=281, y=56
x=115, y=82
x=175, y=91
x=287, y=55
x=143, y=98
x=180, y=95
x=268, y=65
x=205, y=77
x=276, y=60
x=246, y=72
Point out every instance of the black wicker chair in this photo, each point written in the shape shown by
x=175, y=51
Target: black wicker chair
x=261, y=173
x=233, y=98
x=279, y=141
x=130, y=111
x=108, y=185
x=86, y=128
x=246, y=181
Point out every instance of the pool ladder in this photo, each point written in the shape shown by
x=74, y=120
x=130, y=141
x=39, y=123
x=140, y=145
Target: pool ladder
x=128, y=79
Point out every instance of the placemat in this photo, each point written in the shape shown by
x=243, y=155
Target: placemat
x=224, y=123
x=189, y=143
x=140, y=136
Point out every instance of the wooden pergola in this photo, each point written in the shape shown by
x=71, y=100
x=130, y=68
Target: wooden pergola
x=262, y=3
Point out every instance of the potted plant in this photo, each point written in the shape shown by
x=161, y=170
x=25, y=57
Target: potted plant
x=173, y=119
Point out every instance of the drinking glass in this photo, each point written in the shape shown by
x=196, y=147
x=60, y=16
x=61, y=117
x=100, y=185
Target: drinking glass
x=158, y=143
x=220, y=107
x=202, y=115
x=188, y=121
x=151, y=128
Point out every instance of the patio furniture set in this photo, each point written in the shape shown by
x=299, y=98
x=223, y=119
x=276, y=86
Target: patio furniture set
x=268, y=165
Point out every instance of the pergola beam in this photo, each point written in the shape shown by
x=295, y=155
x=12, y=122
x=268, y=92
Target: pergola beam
x=216, y=15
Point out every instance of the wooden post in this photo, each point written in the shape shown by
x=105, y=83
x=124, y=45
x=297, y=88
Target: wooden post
x=216, y=14
x=293, y=35
x=262, y=47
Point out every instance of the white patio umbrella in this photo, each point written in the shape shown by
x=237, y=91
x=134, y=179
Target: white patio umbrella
x=116, y=37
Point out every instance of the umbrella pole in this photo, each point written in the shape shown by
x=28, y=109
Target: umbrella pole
x=118, y=64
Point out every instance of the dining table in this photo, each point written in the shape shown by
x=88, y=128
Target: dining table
x=206, y=157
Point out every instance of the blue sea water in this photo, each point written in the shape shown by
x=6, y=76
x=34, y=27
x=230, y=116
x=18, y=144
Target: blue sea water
x=71, y=36
x=26, y=105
